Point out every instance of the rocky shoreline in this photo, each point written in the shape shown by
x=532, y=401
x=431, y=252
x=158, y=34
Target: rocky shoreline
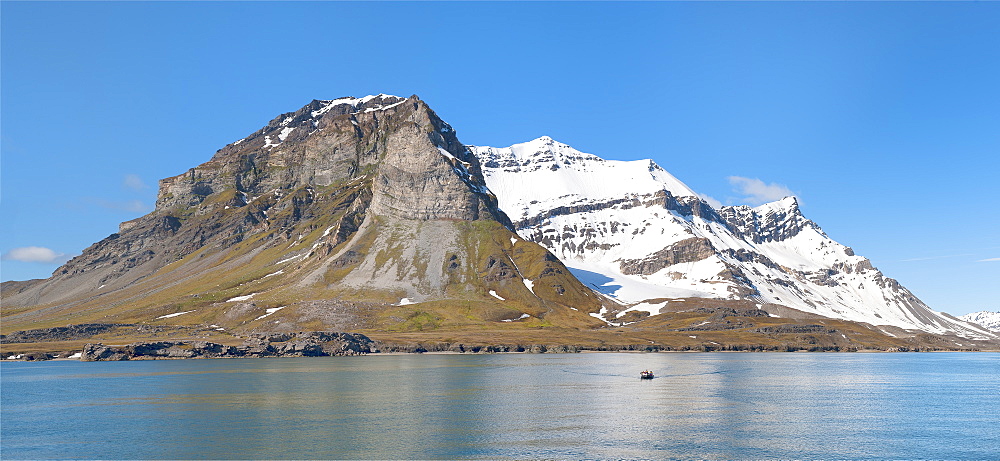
x=305, y=344
x=316, y=344
x=91, y=339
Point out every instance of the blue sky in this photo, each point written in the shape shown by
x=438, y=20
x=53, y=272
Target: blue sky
x=883, y=118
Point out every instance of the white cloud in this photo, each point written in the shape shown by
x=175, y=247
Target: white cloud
x=757, y=192
x=134, y=182
x=711, y=201
x=34, y=255
x=988, y=260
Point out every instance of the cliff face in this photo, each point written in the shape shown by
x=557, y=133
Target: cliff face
x=408, y=152
x=353, y=208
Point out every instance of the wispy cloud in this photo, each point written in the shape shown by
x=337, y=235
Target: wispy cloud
x=757, y=192
x=34, y=255
x=988, y=260
x=134, y=182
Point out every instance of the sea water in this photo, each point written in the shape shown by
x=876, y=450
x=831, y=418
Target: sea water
x=565, y=406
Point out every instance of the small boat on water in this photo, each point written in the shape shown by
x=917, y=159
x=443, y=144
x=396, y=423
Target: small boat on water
x=646, y=374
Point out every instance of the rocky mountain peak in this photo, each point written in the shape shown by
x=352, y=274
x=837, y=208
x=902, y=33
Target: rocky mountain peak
x=414, y=159
x=774, y=221
x=307, y=119
x=788, y=204
x=542, y=153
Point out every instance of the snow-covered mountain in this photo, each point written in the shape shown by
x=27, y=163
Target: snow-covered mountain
x=636, y=233
x=990, y=320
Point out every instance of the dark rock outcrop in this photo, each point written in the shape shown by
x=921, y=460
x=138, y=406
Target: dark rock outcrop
x=83, y=331
x=684, y=251
x=794, y=328
x=778, y=223
x=305, y=344
x=67, y=333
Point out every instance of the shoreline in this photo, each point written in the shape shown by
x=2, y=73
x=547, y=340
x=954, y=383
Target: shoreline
x=446, y=352
x=90, y=343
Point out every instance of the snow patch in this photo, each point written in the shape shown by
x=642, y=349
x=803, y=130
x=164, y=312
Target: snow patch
x=354, y=102
x=270, y=311
x=522, y=317
x=75, y=355
x=174, y=314
x=292, y=258
x=273, y=273
x=530, y=285
x=652, y=308
x=495, y=295
x=600, y=315
x=447, y=155
x=405, y=302
x=390, y=106
x=241, y=298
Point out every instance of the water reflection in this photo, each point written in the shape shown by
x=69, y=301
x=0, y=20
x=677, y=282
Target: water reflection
x=508, y=406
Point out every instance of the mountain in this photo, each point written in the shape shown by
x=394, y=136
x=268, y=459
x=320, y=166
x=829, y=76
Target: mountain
x=990, y=320
x=345, y=214
x=369, y=215
x=637, y=234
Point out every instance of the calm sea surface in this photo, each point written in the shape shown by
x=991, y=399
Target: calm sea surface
x=714, y=405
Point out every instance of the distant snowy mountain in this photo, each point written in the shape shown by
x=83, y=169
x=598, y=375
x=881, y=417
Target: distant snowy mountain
x=636, y=233
x=990, y=320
